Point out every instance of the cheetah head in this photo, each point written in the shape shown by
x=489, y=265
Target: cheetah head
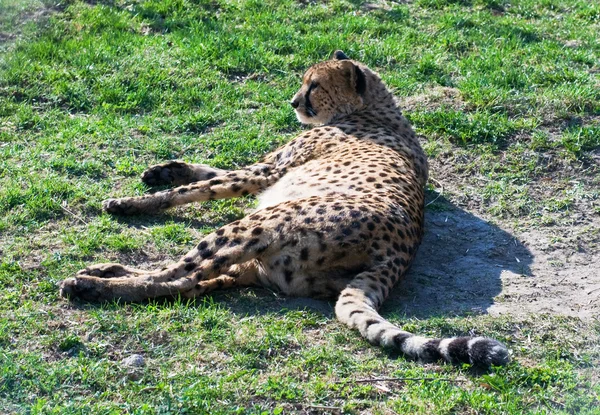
x=330, y=89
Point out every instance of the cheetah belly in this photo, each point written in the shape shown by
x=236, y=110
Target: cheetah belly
x=300, y=184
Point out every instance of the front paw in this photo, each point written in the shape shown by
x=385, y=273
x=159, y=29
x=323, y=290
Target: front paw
x=170, y=173
x=105, y=271
x=82, y=288
x=122, y=206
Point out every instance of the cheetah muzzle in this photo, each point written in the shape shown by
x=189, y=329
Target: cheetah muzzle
x=340, y=215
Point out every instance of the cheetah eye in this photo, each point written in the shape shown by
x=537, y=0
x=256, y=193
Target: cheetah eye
x=313, y=85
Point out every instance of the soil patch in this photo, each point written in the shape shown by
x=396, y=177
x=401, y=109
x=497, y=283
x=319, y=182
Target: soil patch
x=467, y=265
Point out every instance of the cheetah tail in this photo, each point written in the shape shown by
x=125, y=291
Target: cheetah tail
x=356, y=309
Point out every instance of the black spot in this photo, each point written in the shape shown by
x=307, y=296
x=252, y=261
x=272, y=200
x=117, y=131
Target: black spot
x=214, y=182
x=287, y=260
x=235, y=188
x=354, y=214
x=431, y=351
x=304, y=254
x=221, y=241
x=219, y=261
x=353, y=312
x=202, y=245
x=190, y=266
x=252, y=242
x=207, y=253
x=458, y=350
x=210, y=175
x=400, y=338
x=257, y=231
x=261, y=250
x=371, y=226
x=288, y=275
x=370, y=322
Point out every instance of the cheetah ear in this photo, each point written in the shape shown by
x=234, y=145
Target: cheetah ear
x=361, y=81
x=338, y=55
x=356, y=76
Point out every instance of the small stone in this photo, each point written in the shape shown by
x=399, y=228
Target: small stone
x=135, y=360
x=134, y=375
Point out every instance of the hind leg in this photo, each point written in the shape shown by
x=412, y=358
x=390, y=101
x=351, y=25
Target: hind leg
x=234, y=244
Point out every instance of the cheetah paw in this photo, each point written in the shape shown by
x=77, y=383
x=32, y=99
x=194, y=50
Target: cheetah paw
x=119, y=207
x=162, y=174
x=106, y=271
x=80, y=288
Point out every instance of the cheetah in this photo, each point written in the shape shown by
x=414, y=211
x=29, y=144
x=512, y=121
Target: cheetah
x=339, y=216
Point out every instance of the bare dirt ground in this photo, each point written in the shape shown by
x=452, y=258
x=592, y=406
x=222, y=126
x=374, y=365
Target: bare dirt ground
x=466, y=264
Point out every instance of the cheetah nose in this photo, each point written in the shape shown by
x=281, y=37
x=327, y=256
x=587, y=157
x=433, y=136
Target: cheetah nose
x=294, y=103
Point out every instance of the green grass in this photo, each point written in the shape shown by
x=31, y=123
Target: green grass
x=92, y=93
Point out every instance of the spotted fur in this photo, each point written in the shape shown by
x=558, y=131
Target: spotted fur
x=340, y=216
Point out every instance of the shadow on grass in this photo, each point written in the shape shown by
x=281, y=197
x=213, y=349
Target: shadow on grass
x=458, y=267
